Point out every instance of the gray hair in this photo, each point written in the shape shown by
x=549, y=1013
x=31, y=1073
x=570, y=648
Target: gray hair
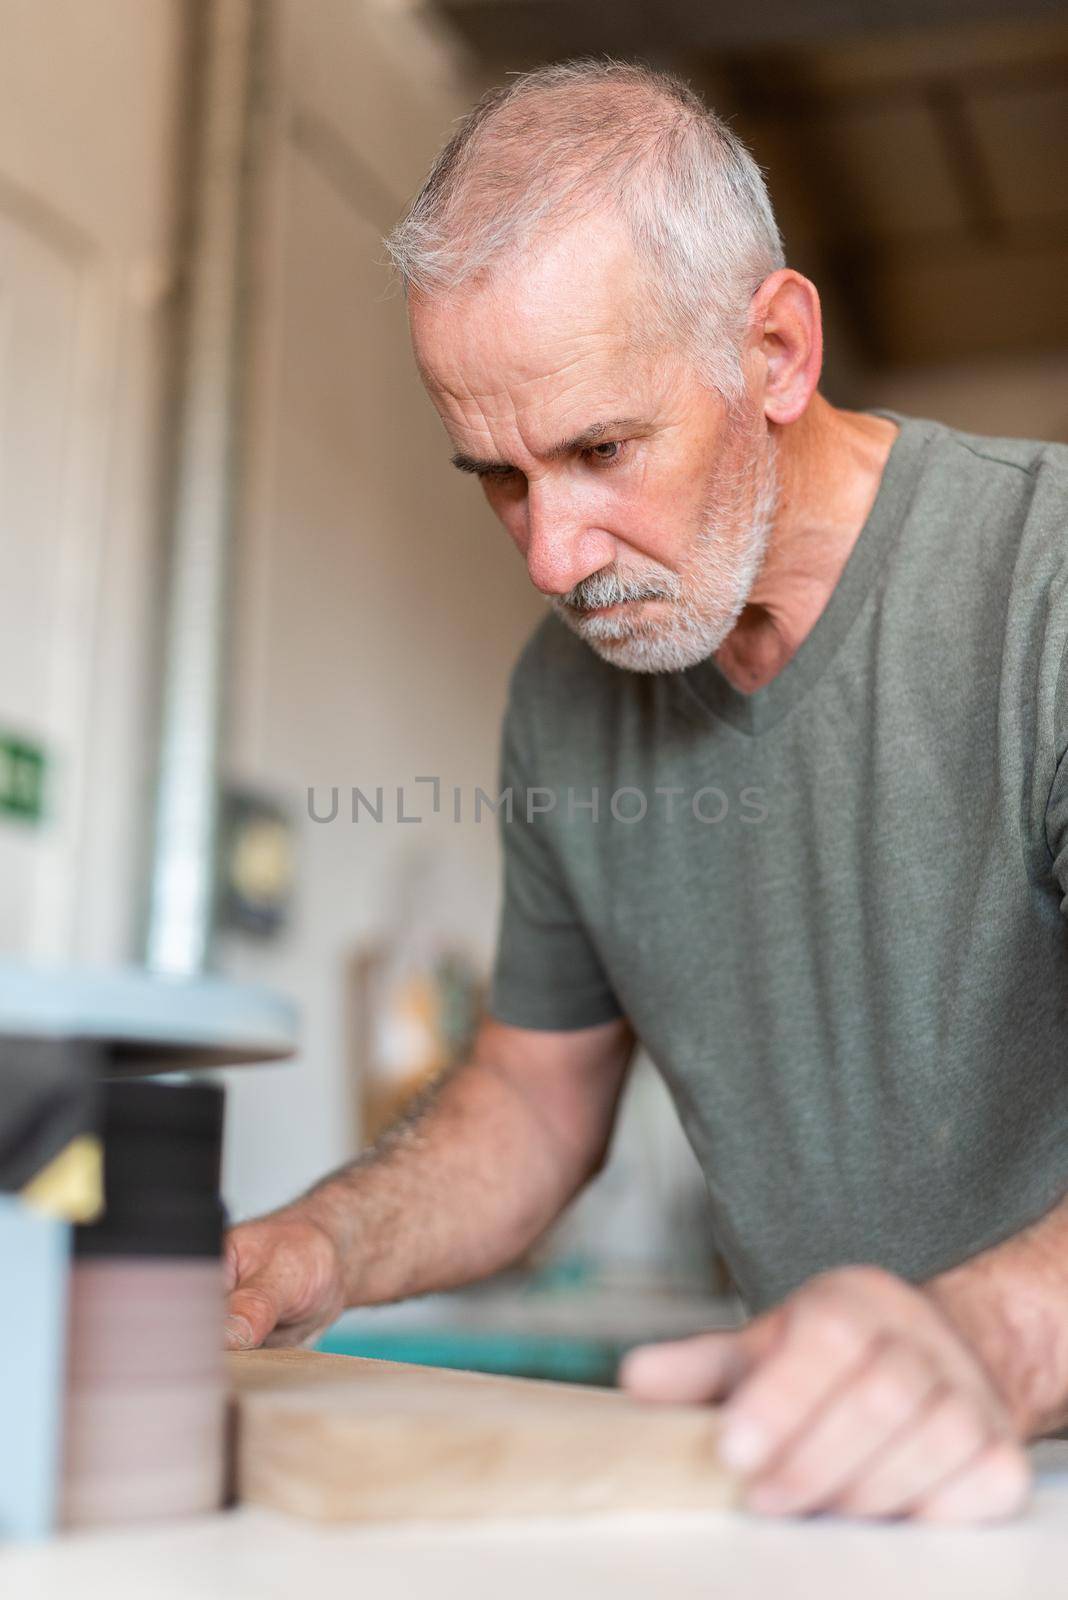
x=559, y=144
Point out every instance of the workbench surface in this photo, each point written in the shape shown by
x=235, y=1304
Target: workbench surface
x=257, y=1555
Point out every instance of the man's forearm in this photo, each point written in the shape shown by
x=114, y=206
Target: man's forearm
x=458, y=1190
x=1011, y=1304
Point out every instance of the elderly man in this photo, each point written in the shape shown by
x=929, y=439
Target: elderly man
x=788, y=806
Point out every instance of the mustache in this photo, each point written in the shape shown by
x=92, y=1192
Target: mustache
x=609, y=587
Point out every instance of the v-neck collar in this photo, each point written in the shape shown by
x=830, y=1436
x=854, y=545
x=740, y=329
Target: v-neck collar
x=756, y=712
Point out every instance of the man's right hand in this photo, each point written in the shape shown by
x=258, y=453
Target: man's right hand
x=507, y=1141
x=283, y=1276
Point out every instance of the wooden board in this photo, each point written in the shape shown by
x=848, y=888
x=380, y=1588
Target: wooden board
x=340, y=1438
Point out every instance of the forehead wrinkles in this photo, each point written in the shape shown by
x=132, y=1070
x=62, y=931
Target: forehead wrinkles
x=485, y=367
x=537, y=411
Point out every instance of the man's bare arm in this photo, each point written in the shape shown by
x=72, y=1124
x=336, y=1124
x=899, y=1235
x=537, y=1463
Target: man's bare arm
x=458, y=1190
x=1011, y=1304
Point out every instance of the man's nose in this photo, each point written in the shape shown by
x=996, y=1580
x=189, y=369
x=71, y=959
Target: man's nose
x=563, y=546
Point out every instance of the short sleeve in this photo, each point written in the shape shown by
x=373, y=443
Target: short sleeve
x=547, y=973
x=1057, y=803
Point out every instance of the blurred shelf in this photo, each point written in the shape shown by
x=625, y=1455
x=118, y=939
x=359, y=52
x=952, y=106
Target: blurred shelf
x=146, y=1022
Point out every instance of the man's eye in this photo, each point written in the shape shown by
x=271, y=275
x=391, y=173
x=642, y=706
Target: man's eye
x=607, y=453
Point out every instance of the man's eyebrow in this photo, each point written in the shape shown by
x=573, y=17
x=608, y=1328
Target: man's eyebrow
x=484, y=468
x=594, y=434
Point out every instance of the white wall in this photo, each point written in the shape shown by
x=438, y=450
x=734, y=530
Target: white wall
x=379, y=606
x=87, y=110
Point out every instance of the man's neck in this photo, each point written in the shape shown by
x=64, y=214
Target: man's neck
x=830, y=465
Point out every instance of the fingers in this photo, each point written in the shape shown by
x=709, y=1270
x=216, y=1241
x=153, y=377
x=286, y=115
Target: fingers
x=231, y=1270
x=948, y=1437
x=997, y=1484
x=285, y=1283
x=705, y=1367
x=237, y=1333
x=887, y=1393
x=251, y=1314
x=822, y=1344
x=857, y=1396
x=686, y=1370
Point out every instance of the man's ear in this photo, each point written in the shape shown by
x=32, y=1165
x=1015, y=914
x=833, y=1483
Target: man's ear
x=786, y=329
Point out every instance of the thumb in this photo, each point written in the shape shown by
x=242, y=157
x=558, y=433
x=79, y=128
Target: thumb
x=707, y=1367
x=251, y=1314
x=231, y=1266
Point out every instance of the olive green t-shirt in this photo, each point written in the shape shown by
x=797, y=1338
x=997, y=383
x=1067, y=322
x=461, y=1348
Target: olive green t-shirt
x=832, y=910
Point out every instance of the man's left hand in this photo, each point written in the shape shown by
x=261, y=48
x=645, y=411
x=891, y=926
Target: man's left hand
x=858, y=1396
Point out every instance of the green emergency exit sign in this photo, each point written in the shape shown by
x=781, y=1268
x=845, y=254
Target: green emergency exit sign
x=22, y=778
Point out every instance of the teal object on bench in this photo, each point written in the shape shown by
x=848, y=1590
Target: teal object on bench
x=34, y=1256
x=514, y=1355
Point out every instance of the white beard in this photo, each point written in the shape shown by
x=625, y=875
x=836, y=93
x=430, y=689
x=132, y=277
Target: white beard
x=705, y=602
